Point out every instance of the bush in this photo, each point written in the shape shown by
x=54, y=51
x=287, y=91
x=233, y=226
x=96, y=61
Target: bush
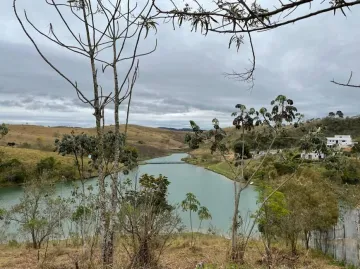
x=283, y=168
x=17, y=177
x=13, y=171
x=26, y=145
x=238, y=148
x=47, y=164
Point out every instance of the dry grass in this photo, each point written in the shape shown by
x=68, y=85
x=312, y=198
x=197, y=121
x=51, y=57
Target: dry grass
x=32, y=156
x=153, y=137
x=211, y=250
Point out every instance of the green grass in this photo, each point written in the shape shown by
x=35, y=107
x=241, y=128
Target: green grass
x=222, y=168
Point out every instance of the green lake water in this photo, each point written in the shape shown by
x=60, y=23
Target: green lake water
x=213, y=191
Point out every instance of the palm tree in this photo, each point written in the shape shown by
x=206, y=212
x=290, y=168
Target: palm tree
x=191, y=204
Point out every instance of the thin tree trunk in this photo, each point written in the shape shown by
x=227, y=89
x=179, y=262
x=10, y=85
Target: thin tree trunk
x=235, y=255
x=115, y=175
x=100, y=140
x=192, y=233
x=35, y=245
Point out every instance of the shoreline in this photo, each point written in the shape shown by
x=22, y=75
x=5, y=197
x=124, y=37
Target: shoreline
x=93, y=175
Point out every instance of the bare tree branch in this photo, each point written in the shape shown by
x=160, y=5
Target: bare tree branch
x=348, y=84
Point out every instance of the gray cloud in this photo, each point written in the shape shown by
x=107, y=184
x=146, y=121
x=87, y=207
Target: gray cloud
x=183, y=79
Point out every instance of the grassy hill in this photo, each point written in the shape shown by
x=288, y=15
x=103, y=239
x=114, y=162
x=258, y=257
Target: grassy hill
x=290, y=138
x=151, y=142
x=35, y=143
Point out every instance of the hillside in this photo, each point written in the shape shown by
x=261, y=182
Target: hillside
x=35, y=144
x=291, y=136
x=151, y=142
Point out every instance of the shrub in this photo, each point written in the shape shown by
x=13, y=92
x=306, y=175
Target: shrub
x=47, y=164
x=26, y=145
x=283, y=168
x=238, y=148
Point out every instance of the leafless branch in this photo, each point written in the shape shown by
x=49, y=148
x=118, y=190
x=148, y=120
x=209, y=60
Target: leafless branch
x=348, y=84
x=248, y=75
x=73, y=84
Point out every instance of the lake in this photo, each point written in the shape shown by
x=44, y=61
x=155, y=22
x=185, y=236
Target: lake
x=212, y=190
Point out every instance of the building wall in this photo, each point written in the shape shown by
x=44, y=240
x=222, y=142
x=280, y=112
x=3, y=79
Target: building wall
x=340, y=140
x=312, y=156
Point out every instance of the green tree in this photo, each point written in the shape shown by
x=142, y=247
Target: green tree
x=148, y=218
x=3, y=130
x=203, y=214
x=238, y=150
x=331, y=114
x=47, y=165
x=312, y=206
x=356, y=150
x=78, y=145
x=39, y=212
x=191, y=204
x=339, y=114
x=270, y=215
x=245, y=120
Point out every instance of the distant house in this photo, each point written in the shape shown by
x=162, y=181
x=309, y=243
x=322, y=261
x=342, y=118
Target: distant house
x=312, y=156
x=341, y=141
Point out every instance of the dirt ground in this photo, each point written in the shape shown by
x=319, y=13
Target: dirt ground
x=210, y=250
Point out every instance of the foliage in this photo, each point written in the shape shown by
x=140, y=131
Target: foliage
x=80, y=146
x=271, y=214
x=145, y=214
x=314, y=141
x=338, y=113
x=3, y=130
x=13, y=171
x=312, y=206
x=39, y=213
x=342, y=169
x=356, y=149
x=284, y=168
x=192, y=204
x=47, y=165
x=238, y=150
x=84, y=213
x=281, y=113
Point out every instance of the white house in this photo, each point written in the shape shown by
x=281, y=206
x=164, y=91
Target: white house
x=342, y=141
x=312, y=156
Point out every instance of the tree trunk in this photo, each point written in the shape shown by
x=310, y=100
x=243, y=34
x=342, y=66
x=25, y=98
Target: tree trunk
x=34, y=242
x=100, y=140
x=144, y=255
x=192, y=233
x=237, y=253
x=307, y=239
x=115, y=175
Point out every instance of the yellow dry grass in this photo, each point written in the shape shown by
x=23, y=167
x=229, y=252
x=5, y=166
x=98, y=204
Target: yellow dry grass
x=32, y=156
x=211, y=250
x=154, y=137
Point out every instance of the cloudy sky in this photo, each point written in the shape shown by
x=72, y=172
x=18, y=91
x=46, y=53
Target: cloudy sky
x=183, y=79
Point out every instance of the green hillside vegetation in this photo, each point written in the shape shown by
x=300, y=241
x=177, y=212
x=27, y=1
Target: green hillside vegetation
x=34, y=150
x=260, y=137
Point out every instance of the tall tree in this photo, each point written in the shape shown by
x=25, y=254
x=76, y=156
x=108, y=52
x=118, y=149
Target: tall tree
x=339, y=114
x=331, y=114
x=245, y=120
x=104, y=26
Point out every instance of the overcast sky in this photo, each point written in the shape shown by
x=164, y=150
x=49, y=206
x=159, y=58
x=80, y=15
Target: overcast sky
x=183, y=79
